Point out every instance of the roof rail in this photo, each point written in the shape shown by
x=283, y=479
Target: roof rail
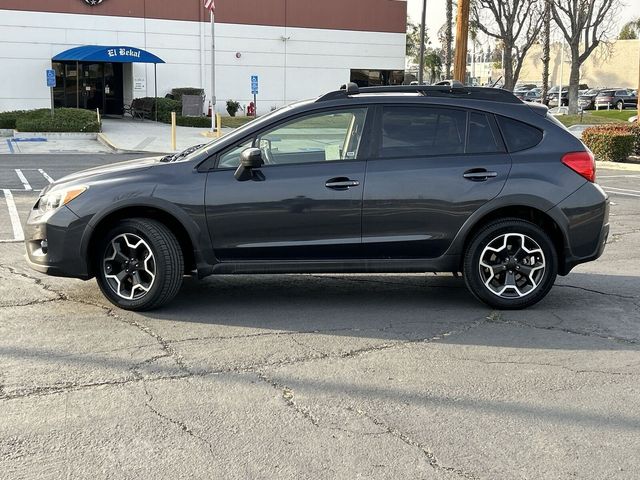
x=472, y=93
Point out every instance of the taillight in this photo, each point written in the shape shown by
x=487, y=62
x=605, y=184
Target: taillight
x=583, y=163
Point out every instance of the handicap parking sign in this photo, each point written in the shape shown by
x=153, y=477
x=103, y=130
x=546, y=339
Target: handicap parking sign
x=254, y=84
x=51, y=78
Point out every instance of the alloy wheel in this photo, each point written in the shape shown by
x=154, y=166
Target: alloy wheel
x=512, y=265
x=129, y=266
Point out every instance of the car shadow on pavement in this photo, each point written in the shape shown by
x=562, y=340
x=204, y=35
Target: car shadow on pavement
x=399, y=306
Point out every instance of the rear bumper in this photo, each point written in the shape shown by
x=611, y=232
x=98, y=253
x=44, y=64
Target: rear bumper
x=585, y=215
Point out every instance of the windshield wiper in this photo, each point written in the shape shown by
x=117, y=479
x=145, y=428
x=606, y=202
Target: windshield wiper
x=184, y=153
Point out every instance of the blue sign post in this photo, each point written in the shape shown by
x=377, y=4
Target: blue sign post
x=254, y=92
x=51, y=83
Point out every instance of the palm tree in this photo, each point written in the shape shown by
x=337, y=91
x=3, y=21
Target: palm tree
x=448, y=39
x=433, y=62
x=546, y=49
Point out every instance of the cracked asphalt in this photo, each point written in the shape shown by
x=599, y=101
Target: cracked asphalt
x=325, y=376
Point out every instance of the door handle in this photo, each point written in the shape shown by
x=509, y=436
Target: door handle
x=341, y=183
x=479, y=174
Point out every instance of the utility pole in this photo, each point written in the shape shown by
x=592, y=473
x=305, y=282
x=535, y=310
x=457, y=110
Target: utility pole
x=422, y=34
x=462, y=34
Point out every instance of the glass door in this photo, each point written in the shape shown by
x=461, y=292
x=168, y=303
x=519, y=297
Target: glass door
x=92, y=86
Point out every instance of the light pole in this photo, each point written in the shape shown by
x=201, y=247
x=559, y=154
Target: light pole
x=422, y=35
x=462, y=34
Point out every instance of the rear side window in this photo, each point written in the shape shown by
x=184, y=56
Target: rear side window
x=517, y=135
x=481, y=139
x=621, y=92
x=422, y=131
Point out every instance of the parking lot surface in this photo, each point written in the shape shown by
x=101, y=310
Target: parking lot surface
x=318, y=376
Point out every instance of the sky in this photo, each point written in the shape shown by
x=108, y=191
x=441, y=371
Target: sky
x=436, y=14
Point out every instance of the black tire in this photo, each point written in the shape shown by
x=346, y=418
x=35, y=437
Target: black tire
x=167, y=263
x=473, y=272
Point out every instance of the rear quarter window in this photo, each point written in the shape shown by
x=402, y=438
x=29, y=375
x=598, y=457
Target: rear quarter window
x=517, y=135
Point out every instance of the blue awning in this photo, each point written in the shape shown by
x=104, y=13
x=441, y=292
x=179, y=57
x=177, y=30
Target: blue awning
x=103, y=53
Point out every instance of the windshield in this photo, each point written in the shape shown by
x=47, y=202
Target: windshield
x=592, y=91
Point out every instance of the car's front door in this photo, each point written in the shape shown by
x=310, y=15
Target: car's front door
x=304, y=203
x=435, y=167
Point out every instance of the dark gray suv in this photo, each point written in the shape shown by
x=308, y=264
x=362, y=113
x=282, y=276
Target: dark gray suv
x=380, y=179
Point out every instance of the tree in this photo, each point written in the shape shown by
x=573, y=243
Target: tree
x=433, y=63
x=516, y=23
x=584, y=25
x=448, y=39
x=413, y=42
x=630, y=30
x=546, y=48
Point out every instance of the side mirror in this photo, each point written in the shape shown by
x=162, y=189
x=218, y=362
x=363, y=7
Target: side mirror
x=251, y=158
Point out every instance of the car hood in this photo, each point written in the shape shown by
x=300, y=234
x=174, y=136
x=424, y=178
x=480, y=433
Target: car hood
x=120, y=167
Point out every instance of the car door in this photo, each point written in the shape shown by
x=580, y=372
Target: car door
x=304, y=203
x=435, y=167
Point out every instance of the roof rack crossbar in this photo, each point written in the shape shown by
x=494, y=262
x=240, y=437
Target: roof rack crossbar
x=472, y=93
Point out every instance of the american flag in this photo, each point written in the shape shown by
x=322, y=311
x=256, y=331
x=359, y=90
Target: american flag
x=210, y=4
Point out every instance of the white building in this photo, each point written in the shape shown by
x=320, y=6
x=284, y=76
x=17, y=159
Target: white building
x=298, y=48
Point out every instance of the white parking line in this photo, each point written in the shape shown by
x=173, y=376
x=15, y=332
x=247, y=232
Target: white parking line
x=23, y=179
x=46, y=176
x=623, y=189
x=18, y=233
x=613, y=192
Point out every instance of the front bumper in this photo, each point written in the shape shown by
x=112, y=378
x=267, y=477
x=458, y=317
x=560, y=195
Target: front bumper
x=52, y=243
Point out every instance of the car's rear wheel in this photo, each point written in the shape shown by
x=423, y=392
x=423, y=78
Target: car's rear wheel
x=139, y=264
x=510, y=264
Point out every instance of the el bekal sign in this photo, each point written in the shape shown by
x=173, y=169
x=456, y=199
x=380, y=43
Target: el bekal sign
x=123, y=52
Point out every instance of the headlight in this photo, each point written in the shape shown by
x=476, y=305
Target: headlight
x=55, y=199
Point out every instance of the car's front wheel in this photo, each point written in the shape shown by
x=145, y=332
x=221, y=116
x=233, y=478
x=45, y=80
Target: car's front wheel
x=139, y=264
x=510, y=264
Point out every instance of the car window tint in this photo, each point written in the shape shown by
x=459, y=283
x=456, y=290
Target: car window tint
x=326, y=136
x=517, y=135
x=422, y=131
x=481, y=139
x=621, y=92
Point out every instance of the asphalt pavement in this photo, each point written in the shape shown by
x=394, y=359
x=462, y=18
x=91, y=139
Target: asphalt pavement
x=319, y=376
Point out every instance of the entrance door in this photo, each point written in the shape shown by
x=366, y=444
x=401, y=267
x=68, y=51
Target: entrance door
x=305, y=202
x=113, y=89
x=92, y=86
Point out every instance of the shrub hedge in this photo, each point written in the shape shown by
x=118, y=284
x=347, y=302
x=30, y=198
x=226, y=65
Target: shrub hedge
x=64, y=120
x=633, y=128
x=201, y=122
x=610, y=144
x=8, y=119
x=179, y=92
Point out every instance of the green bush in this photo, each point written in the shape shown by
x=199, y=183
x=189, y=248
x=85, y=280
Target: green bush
x=64, y=120
x=609, y=144
x=179, y=92
x=202, y=122
x=235, y=122
x=8, y=119
x=632, y=128
x=232, y=107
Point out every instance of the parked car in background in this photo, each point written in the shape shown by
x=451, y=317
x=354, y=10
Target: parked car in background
x=586, y=101
x=534, y=95
x=619, y=98
x=552, y=97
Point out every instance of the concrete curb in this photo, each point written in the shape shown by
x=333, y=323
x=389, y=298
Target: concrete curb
x=629, y=167
x=104, y=140
x=58, y=135
x=6, y=132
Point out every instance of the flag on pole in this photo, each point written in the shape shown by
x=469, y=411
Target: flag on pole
x=210, y=5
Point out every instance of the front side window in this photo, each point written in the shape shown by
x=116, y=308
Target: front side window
x=422, y=131
x=318, y=137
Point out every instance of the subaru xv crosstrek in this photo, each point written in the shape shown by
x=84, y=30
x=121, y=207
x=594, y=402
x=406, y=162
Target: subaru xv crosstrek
x=361, y=180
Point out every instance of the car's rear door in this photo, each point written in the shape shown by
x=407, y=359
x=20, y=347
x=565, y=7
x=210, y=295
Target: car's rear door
x=435, y=167
x=305, y=203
